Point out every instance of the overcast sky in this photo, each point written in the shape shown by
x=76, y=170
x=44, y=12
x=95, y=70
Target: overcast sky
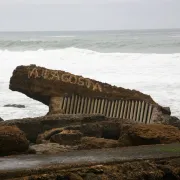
x=54, y=15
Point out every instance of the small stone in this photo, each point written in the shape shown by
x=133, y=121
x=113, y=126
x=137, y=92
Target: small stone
x=15, y=105
x=67, y=137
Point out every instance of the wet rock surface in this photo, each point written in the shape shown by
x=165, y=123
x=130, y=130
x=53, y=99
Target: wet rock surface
x=143, y=162
x=51, y=148
x=12, y=140
x=82, y=149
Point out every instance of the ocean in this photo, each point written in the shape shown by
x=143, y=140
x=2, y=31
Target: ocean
x=145, y=60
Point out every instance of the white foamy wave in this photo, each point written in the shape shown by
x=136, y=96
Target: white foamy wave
x=154, y=74
x=60, y=36
x=29, y=40
x=175, y=36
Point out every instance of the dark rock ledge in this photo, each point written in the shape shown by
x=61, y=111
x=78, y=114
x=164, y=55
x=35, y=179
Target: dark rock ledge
x=35, y=126
x=61, y=133
x=160, y=162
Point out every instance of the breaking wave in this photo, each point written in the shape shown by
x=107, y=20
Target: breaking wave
x=154, y=74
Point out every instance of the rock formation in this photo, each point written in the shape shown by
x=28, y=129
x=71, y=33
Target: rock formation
x=119, y=123
x=67, y=93
x=1, y=119
x=141, y=134
x=12, y=140
x=67, y=137
x=35, y=126
x=44, y=84
x=74, y=130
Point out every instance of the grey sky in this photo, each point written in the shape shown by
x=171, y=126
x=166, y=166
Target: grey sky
x=36, y=15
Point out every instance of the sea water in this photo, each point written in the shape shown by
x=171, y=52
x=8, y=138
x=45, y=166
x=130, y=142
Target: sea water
x=145, y=60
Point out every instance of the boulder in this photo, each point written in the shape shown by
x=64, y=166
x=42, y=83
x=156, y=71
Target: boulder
x=1, y=119
x=97, y=143
x=12, y=140
x=141, y=134
x=173, y=121
x=49, y=86
x=15, y=105
x=160, y=116
x=166, y=110
x=67, y=137
x=38, y=125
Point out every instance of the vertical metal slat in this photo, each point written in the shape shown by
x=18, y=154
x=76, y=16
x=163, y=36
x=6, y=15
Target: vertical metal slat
x=132, y=110
x=138, y=111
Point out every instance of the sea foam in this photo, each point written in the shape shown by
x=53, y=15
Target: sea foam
x=154, y=74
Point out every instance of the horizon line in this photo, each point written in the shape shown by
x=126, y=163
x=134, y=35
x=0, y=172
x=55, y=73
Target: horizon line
x=95, y=30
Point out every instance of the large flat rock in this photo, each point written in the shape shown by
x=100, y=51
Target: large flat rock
x=41, y=84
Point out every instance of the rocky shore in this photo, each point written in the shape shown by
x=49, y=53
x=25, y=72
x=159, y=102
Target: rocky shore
x=143, y=162
x=88, y=131
x=60, y=150
x=136, y=139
